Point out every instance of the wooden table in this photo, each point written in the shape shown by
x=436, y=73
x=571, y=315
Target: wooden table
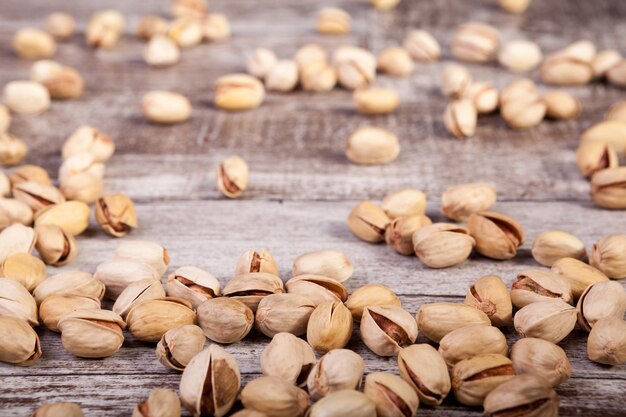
x=301, y=185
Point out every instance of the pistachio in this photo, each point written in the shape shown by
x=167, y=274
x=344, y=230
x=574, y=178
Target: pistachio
x=88, y=139
x=255, y=261
x=521, y=89
x=56, y=306
x=17, y=302
x=395, y=61
x=399, y=234
x=617, y=74
x=116, y=214
x=329, y=327
x=617, y=111
x=186, y=31
x=332, y=21
x=386, y=329
x=72, y=217
x=612, y=132
x=14, y=211
x=460, y=201
x=594, y=156
x=60, y=409
x=426, y=371
x=604, y=61
x=25, y=269
x=455, y=80
x=23, y=347
x=179, y=345
x=368, y=222
x=308, y=54
x=162, y=402
x=490, y=295
x=149, y=320
x=356, y=67
x=601, y=300
x=182, y=8
x=84, y=187
x=372, y=146
x=274, y=397
x=393, y=396
x=251, y=288
x=607, y=341
x=16, y=238
x=69, y=283
x=339, y=369
x=375, y=100
x=36, y=195
x=225, y=320
x=149, y=252
x=370, y=295
x=31, y=43
x=435, y=320
x=460, y=118
x=30, y=173
x=26, y=97
x=5, y=119
x=561, y=105
x=165, y=107
x=536, y=285
x=475, y=42
x=287, y=312
x=104, y=29
x=232, y=176
x=317, y=288
x=261, y=62
x=542, y=358
x=514, y=6
x=193, y=284
x=288, y=358
x=578, y=274
x=210, y=382
x=548, y=320
x=92, y=333
x=608, y=188
x=60, y=25
x=497, y=236
x=282, y=77
x=483, y=96
x=117, y=274
x=520, y=56
x=80, y=163
x=137, y=292
x=344, y=403
x=553, y=245
x=469, y=341
x=62, y=82
x=474, y=378
x=523, y=395
x=151, y=26
x=523, y=113
x=215, y=27
x=238, y=92
x=327, y=263
x=440, y=245
x=318, y=77
x=567, y=70
x=609, y=256
x=422, y=46
x=404, y=203
x=384, y=5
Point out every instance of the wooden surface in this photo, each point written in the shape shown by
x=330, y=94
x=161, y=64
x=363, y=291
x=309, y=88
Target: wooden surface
x=301, y=186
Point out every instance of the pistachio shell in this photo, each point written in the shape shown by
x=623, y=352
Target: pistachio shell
x=149, y=252
x=536, y=285
x=23, y=347
x=69, y=283
x=285, y=312
x=540, y=357
x=387, y=329
x=578, y=274
x=368, y=222
x=179, y=345
x=440, y=245
x=137, y=292
x=16, y=301
x=252, y=287
x=548, y=320
x=117, y=274
x=56, y=306
x=317, y=288
x=601, y=300
x=161, y=403
x=435, y=320
x=55, y=246
x=274, y=397
x=116, y=214
x=528, y=394
x=392, y=395
x=225, y=320
x=344, y=403
x=497, y=236
x=25, y=269
x=469, y=341
x=255, y=261
x=329, y=327
x=16, y=238
x=149, y=320
x=607, y=341
x=370, y=295
x=193, y=284
x=339, y=369
x=460, y=201
x=609, y=255
x=425, y=369
x=553, y=245
x=92, y=333
x=60, y=409
x=327, y=263
x=288, y=358
x=474, y=378
x=71, y=216
x=491, y=296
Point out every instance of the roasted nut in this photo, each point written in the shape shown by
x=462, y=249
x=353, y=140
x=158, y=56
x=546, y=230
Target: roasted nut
x=80, y=163
x=344, y=403
x=561, y=105
x=61, y=81
x=30, y=43
x=370, y=295
x=282, y=77
x=372, y=146
x=182, y=8
x=536, y=285
x=617, y=74
x=607, y=188
x=523, y=113
x=310, y=53
x=17, y=302
x=54, y=307
x=460, y=201
x=399, y=234
x=523, y=88
x=564, y=69
x=578, y=274
x=161, y=402
x=60, y=25
x=179, y=345
x=392, y=395
x=548, y=320
x=161, y=51
x=612, y=132
x=540, y=357
x=69, y=283
x=92, y=333
x=36, y=195
x=327, y=263
x=332, y=21
x=368, y=222
x=329, y=327
x=71, y=216
x=395, y=61
x=232, y=176
x=375, y=100
x=186, y=31
x=116, y=214
x=238, y=92
x=404, y=203
x=146, y=251
x=356, y=67
x=318, y=77
x=16, y=238
x=514, y=6
x=25, y=269
x=440, y=245
x=26, y=97
x=150, y=26
x=288, y=358
x=483, y=96
x=88, y=139
x=520, y=56
x=469, y=341
x=474, y=378
x=255, y=261
x=490, y=295
x=435, y=320
x=594, y=156
x=215, y=27
x=13, y=211
x=607, y=341
x=117, y=274
x=386, y=329
x=609, y=256
x=339, y=369
x=426, y=371
x=475, y=42
x=460, y=118
x=523, y=395
x=23, y=347
x=288, y=312
x=138, y=292
x=104, y=29
x=455, y=80
x=84, y=187
x=551, y=246
x=30, y=173
x=422, y=46
x=193, y=284
x=225, y=320
x=601, y=300
x=274, y=397
x=261, y=62
x=251, y=288
x=497, y=236
x=149, y=320
x=59, y=410
x=603, y=61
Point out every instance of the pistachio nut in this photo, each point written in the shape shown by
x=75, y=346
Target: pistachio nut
x=475, y=42
x=520, y=55
x=426, y=371
x=372, y=146
x=117, y=274
x=523, y=88
x=368, y=222
x=225, y=320
x=165, y=107
x=149, y=320
x=332, y=21
x=210, y=382
x=483, y=96
x=395, y=61
x=370, y=295
x=282, y=77
x=578, y=274
x=256, y=261
x=523, y=113
x=16, y=238
x=386, y=329
x=275, y=397
x=561, y=105
x=186, y=31
x=150, y=26
x=88, y=139
x=392, y=395
x=491, y=296
x=60, y=409
x=535, y=285
x=600, y=300
x=339, y=369
x=343, y=403
x=553, y=245
x=469, y=341
x=31, y=43
x=317, y=288
x=238, y=92
x=14, y=211
x=232, y=176
x=146, y=251
x=603, y=61
x=375, y=100
x=607, y=341
x=594, y=156
x=137, y=292
x=193, y=284
x=607, y=188
x=288, y=358
x=162, y=51
x=617, y=111
x=179, y=345
x=69, y=283
x=523, y=395
x=12, y=149
x=71, y=216
x=309, y=54
x=16, y=301
x=455, y=80
x=85, y=187
x=248, y=413
x=60, y=25
x=540, y=357
x=329, y=327
x=327, y=263
x=251, y=288
x=28, y=98
x=616, y=75
x=474, y=378
x=548, y=320
x=36, y=195
x=260, y=62
x=399, y=234
x=104, y=29
x=54, y=245
x=422, y=46
x=215, y=27
x=497, y=236
x=460, y=201
x=80, y=163
x=440, y=245
x=356, y=67
x=405, y=202
x=23, y=347
x=25, y=269
x=514, y=6
x=30, y=173
x=285, y=312
x=608, y=131
x=162, y=402
x=62, y=83
x=609, y=256
x=194, y=8
x=563, y=69
x=116, y=214
x=56, y=306
x=318, y=76
x=92, y=333
x=435, y=320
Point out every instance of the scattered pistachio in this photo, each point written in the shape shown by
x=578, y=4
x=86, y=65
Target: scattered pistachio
x=182, y=8
x=399, y=234
x=601, y=300
x=16, y=238
x=282, y=77
x=474, y=378
x=329, y=327
x=549, y=320
x=475, y=42
x=14, y=211
x=55, y=246
x=116, y=214
x=524, y=112
x=460, y=118
x=151, y=26
x=333, y=21
x=375, y=100
x=179, y=345
x=23, y=347
x=395, y=61
x=607, y=188
x=161, y=51
x=238, y=92
x=186, y=31
x=608, y=131
x=578, y=274
x=193, y=284
x=343, y=403
x=386, y=329
x=261, y=62
x=225, y=320
x=562, y=68
x=384, y=5
x=88, y=139
x=149, y=320
x=60, y=25
x=104, y=29
x=435, y=320
x=69, y=283
x=136, y=292
x=117, y=274
x=356, y=67
x=284, y=312
x=561, y=105
x=165, y=107
x=526, y=394
x=275, y=397
x=490, y=295
x=92, y=333
x=422, y=46
x=26, y=97
x=215, y=27
x=469, y=341
x=426, y=371
x=549, y=247
x=370, y=295
x=5, y=119
x=455, y=80
x=617, y=74
x=536, y=285
x=368, y=222
x=483, y=96
x=71, y=216
x=30, y=43
x=603, y=61
x=162, y=402
x=460, y=201
x=372, y=146
x=440, y=245
x=232, y=176
x=17, y=302
x=497, y=236
x=328, y=263
x=288, y=358
x=318, y=77
x=60, y=409
x=520, y=56
x=392, y=395
x=12, y=149
x=255, y=261
x=607, y=341
x=61, y=81
x=540, y=357
x=593, y=156
x=36, y=195
x=617, y=111
x=25, y=269
x=252, y=287
x=339, y=369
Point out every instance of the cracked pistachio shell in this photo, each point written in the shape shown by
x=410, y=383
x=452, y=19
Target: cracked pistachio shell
x=30, y=173
x=422, y=46
x=375, y=100
x=525, y=396
x=392, y=395
x=23, y=347
x=370, y=295
x=440, y=245
x=368, y=222
x=608, y=131
x=524, y=112
x=12, y=149
x=344, y=403
x=117, y=274
x=69, y=283
x=288, y=358
x=317, y=288
x=210, y=383
x=225, y=320
x=395, y=61
x=460, y=201
x=386, y=329
x=549, y=247
x=491, y=296
x=562, y=69
x=339, y=369
x=607, y=341
x=520, y=55
x=455, y=80
x=16, y=238
x=232, y=176
x=603, y=61
x=578, y=274
x=483, y=96
x=256, y=261
x=399, y=234
x=137, y=292
x=56, y=306
x=537, y=285
x=607, y=188
x=601, y=300
x=285, y=312
x=149, y=320
x=474, y=378
x=92, y=333
x=80, y=163
x=497, y=236
x=149, y=252
x=162, y=402
x=475, y=42
x=25, y=269
x=14, y=211
x=469, y=341
x=275, y=397
x=88, y=139
x=309, y=54
x=235, y=92
x=55, y=246
x=252, y=287
x=84, y=186
x=179, y=345
x=540, y=357
x=425, y=370
x=116, y=214
x=37, y=195
x=329, y=327
x=193, y=284
x=561, y=105
x=60, y=409
x=594, y=156
x=405, y=202
x=356, y=67
x=435, y=320
x=71, y=216
x=16, y=301
x=547, y=320
x=327, y=263
x=460, y=118
x=372, y=146
x=609, y=256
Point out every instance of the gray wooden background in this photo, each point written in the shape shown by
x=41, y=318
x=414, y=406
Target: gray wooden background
x=301, y=186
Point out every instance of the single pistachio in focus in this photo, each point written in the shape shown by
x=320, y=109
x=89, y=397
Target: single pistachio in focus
x=483, y=96
x=26, y=97
x=392, y=395
x=617, y=111
x=535, y=285
x=215, y=27
x=260, y=62
x=60, y=409
x=194, y=8
x=422, y=46
x=455, y=80
x=520, y=56
x=24, y=268
x=435, y=320
x=399, y=234
x=475, y=42
x=193, y=284
x=405, y=202
x=332, y=21
x=440, y=245
x=116, y=214
x=356, y=67
x=553, y=245
x=601, y=300
x=368, y=222
x=608, y=131
x=137, y=292
x=460, y=118
x=395, y=61
x=252, y=287
x=460, y=201
x=524, y=395
x=16, y=238
x=117, y=274
x=548, y=320
x=372, y=146
x=60, y=25
x=104, y=29
x=288, y=358
x=386, y=329
x=71, y=216
x=607, y=341
x=31, y=43
x=608, y=189
x=285, y=312
x=92, y=333
x=514, y=6
x=578, y=274
x=69, y=283
x=375, y=100
x=17, y=302
x=232, y=176
x=327, y=263
x=238, y=92
x=616, y=75
x=339, y=369
x=149, y=320
x=370, y=295
x=343, y=403
x=609, y=256
x=275, y=397
x=36, y=195
x=23, y=347
x=594, y=156
x=12, y=149
x=469, y=341
x=540, y=357
x=474, y=378
x=162, y=402
x=257, y=261
x=497, y=236
x=426, y=371
x=186, y=31
x=561, y=105
x=225, y=320
x=329, y=327
x=55, y=306
x=161, y=51
x=491, y=296
x=179, y=345
x=603, y=61
x=282, y=77
x=150, y=26
x=524, y=113
x=88, y=139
